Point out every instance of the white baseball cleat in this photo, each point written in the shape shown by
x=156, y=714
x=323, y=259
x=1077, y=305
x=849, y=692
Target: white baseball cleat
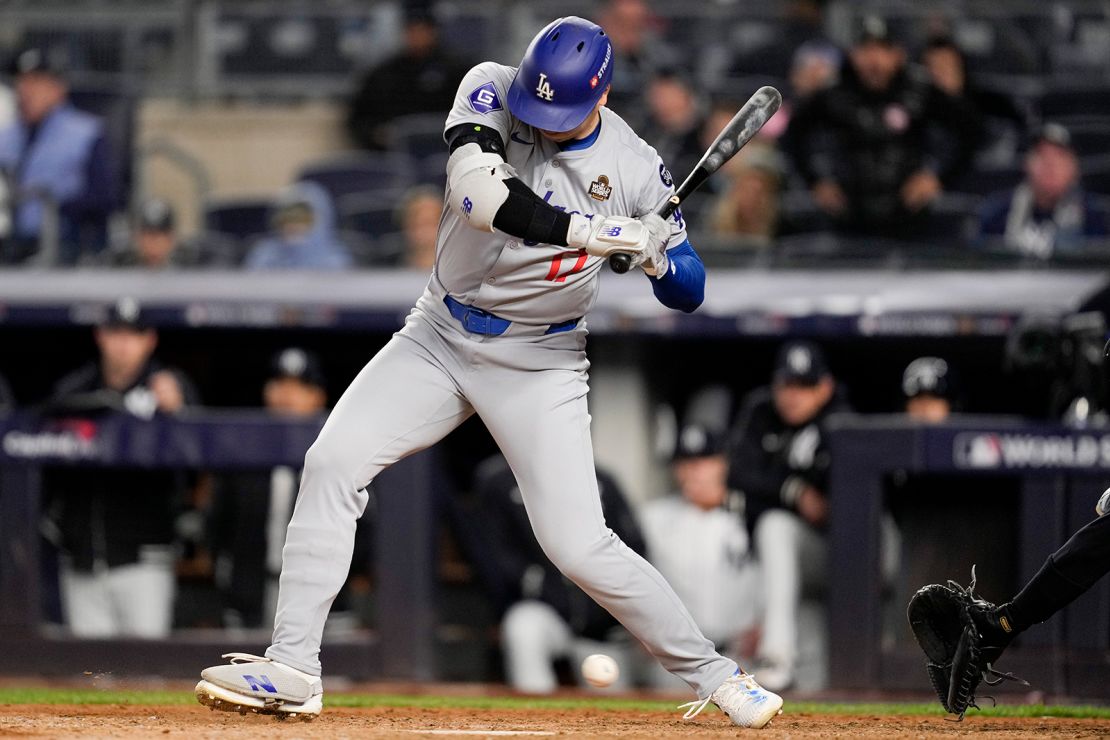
x=262, y=686
x=1102, y=508
x=745, y=702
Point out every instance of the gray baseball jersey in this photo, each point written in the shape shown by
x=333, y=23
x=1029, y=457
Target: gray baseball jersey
x=528, y=386
x=617, y=175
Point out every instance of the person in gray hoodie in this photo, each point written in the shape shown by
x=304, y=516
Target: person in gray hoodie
x=303, y=236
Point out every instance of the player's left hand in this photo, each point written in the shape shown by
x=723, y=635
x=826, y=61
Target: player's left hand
x=655, y=252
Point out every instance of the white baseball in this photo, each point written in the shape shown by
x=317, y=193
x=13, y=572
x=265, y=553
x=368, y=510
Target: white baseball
x=599, y=670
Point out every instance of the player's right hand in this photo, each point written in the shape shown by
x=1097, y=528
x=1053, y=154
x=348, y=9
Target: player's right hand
x=602, y=237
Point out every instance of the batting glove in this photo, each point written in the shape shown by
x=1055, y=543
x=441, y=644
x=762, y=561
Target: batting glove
x=603, y=237
x=655, y=254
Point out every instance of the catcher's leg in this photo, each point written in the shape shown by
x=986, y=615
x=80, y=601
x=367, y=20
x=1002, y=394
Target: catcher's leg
x=1065, y=576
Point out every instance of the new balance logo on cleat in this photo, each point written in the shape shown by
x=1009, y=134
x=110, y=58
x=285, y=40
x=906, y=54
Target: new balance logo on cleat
x=262, y=683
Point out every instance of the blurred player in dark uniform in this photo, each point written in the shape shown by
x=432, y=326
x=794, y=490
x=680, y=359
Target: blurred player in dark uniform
x=780, y=462
x=114, y=527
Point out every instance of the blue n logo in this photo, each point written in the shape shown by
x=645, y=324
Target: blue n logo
x=262, y=683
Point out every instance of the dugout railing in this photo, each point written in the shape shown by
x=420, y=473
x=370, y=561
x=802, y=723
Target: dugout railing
x=1060, y=471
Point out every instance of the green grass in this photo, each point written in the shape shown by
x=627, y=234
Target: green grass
x=149, y=698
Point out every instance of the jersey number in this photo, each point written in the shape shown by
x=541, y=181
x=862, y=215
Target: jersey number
x=557, y=263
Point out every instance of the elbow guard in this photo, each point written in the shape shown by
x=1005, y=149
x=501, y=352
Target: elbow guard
x=476, y=185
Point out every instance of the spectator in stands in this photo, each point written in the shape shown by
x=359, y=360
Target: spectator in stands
x=946, y=66
x=748, y=210
x=114, y=526
x=421, y=78
x=545, y=616
x=675, y=120
x=418, y=215
x=638, y=53
x=57, y=157
x=928, y=386
x=304, y=235
x=154, y=245
x=813, y=67
x=1049, y=213
x=780, y=462
x=250, y=510
x=697, y=537
x=876, y=147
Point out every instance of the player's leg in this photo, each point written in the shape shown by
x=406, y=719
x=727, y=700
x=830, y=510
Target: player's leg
x=533, y=636
x=86, y=605
x=792, y=558
x=402, y=401
x=541, y=423
x=778, y=542
x=1065, y=576
x=151, y=616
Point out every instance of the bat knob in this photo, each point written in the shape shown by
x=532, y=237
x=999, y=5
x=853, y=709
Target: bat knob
x=620, y=262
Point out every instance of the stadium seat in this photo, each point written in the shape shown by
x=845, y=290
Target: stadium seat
x=371, y=214
x=984, y=181
x=1096, y=173
x=419, y=136
x=1076, y=104
x=241, y=218
x=360, y=172
x=1091, y=138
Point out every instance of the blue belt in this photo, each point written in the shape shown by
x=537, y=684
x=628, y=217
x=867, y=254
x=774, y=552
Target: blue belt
x=477, y=321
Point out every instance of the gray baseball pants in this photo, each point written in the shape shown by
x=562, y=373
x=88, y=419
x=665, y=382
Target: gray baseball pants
x=530, y=390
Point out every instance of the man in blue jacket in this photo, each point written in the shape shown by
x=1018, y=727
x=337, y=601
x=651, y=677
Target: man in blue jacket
x=56, y=157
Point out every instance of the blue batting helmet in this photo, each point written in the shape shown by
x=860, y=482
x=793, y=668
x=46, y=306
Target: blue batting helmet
x=565, y=71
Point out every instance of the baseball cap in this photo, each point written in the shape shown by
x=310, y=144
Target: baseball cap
x=156, y=214
x=873, y=28
x=36, y=59
x=126, y=313
x=698, y=440
x=1054, y=133
x=801, y=363
x=297, y=363
x=927, y=376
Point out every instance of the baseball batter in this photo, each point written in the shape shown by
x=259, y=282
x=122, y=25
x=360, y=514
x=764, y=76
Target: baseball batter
x=544, y=184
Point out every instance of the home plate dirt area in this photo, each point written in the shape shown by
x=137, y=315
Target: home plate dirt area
x=122, y=720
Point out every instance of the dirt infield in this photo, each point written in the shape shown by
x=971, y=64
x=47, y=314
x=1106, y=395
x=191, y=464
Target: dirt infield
x=115, y=721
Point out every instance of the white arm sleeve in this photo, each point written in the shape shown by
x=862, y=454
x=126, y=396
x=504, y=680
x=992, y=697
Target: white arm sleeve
x=475, y=185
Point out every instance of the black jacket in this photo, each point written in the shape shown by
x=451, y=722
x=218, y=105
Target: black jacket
x=870, y=143
x=512, y=550
x=403, y=85
x=770, y=462
x=105, y=515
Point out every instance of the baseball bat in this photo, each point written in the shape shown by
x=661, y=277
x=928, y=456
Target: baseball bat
x=739, y=131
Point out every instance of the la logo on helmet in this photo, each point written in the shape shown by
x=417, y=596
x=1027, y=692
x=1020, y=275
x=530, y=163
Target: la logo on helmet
x=543, y=90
